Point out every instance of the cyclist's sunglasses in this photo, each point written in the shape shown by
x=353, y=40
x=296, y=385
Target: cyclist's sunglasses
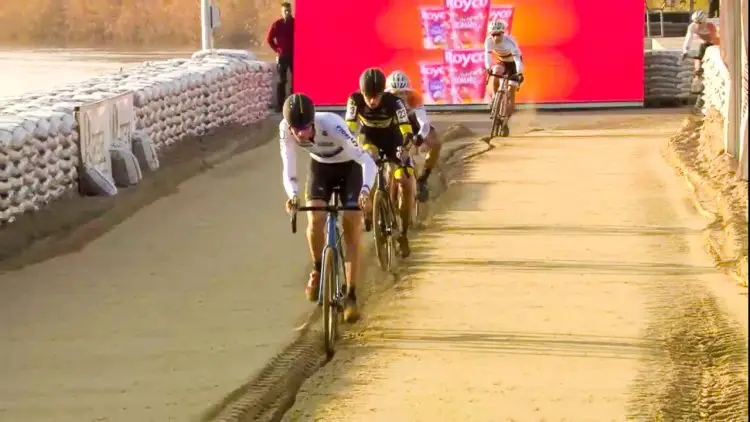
x=497, y=34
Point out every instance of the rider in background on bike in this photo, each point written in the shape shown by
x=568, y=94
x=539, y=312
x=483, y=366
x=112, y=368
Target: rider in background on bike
x=703, y=30
x=337, y=162
x=502, y=49
x=385, y=126
x=398, y=83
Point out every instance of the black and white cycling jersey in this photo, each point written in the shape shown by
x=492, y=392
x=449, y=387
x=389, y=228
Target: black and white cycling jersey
x=333, y=142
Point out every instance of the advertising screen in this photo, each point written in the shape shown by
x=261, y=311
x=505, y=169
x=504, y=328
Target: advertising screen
x=574, y=51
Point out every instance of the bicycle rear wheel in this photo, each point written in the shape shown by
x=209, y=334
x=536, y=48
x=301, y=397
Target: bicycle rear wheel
x=330, y=311
x=383, y=229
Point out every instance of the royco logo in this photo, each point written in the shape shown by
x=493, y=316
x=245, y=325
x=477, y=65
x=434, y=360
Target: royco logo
x=463, y=58
x=465, y=5
x=501, y=14
x=435, y=14
x=433, y=71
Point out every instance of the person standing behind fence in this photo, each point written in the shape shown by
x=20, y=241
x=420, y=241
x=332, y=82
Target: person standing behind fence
x=713, y=8
x=281, y=40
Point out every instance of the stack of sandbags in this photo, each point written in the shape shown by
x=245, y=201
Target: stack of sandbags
x=667, y=76
x=172, y=99
x=195, y=96
x=715, y=82
x=38, y=157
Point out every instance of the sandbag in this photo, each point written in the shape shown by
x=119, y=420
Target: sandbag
x=126, y=171
x=94, y=182
x=144, y=150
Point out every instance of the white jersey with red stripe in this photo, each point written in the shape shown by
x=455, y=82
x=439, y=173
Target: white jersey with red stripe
x=333, y=143
x=506, y=50
x=705, y=31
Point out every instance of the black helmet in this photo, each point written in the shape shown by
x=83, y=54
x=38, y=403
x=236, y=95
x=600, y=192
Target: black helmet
x=298, y=110
x=372, y=82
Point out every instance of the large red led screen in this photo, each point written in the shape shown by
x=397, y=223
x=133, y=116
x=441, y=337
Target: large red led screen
x=574, y=51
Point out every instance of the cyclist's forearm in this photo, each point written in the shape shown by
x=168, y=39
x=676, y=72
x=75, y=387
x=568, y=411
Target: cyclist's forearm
x=289, y=169
x=424, y=122
x=369, y=171
x=688, y=38
x=290, y=186
x=686, y=42
x=519, y=64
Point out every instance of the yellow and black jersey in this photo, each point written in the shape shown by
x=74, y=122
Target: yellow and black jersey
x=390, y=113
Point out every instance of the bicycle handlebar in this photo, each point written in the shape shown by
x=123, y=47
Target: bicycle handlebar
x=326, y=208
x=489, y=72
x=506, y=77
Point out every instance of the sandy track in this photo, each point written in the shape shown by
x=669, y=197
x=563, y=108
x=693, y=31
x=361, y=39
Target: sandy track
x=166, y=312
x=161, y=316
x=566, y=280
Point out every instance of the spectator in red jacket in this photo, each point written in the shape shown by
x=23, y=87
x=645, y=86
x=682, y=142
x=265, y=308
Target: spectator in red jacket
x=281, y=40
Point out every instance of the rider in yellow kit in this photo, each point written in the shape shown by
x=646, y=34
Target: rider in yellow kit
x=385, y=126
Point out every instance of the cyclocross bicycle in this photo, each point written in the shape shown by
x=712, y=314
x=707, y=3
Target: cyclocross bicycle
x=498, y=113
x=332, y=292
x=384, y=213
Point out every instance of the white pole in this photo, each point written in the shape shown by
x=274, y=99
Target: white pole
x=206, y=35
x=736, y=81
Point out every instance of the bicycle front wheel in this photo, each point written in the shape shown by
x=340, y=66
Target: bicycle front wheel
x=383, y=226
x=497, y=114
x=330, y=312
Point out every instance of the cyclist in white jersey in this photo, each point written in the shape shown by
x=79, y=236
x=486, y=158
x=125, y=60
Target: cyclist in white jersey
x=503, y=56
x=705, y=31
x=337, y=162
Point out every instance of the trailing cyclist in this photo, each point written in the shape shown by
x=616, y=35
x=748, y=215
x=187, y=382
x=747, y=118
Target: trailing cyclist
x=704, y=30
x=384, y=125
x=398, y=83
x=337, y=162
x=503, y=56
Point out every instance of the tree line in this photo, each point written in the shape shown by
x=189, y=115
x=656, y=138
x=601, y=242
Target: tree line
x=132, y=23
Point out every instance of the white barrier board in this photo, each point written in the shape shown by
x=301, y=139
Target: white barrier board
x=102, y=125
x=124, y=116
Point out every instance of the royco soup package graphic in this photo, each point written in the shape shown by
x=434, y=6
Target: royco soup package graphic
x=467, y=75
x=502, y=13
x=468, y=22
x=435, y=27
x=435, y=82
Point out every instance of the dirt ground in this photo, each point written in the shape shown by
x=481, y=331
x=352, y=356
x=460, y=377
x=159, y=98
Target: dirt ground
x=565, y=279
x=153, y=305
x=166, y=299
x=698, y=152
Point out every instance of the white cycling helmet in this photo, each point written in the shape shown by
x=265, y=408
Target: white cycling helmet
x=699, y=16
x=397, y=81
x=498, y=26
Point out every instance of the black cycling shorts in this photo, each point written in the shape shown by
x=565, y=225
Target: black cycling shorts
x=325, y=177
x=702, y=49
x=510, y=68
x=414, y=123
x=385, y=139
